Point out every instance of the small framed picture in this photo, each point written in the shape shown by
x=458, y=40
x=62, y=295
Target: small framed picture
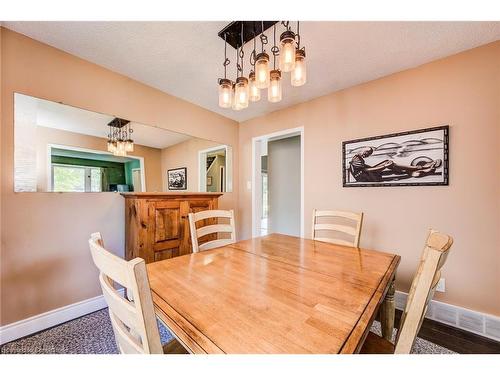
x=209, y=180
x=177, y=179
x=411, y=158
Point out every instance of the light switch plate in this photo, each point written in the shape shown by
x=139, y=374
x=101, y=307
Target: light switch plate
x=249, y=185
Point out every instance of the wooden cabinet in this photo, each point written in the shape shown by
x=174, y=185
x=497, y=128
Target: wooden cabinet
x=157, y=224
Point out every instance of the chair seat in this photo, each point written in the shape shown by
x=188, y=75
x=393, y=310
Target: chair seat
x=174, y=347
x=374, y=344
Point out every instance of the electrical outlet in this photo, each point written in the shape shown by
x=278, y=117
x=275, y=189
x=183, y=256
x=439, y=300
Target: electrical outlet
x=441, y=287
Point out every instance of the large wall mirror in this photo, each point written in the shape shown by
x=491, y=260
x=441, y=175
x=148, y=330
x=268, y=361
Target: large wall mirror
x=60, y=148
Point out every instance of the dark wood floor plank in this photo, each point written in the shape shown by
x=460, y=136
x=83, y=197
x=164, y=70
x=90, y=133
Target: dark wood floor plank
x=453, y=338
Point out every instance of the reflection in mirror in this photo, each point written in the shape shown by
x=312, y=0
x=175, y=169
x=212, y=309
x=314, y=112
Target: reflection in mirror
x=61, y=148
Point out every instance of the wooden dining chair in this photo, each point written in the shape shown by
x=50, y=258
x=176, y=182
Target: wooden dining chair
x=331, y=230
x=421, y=292
x=213, y=230
x=133, y=319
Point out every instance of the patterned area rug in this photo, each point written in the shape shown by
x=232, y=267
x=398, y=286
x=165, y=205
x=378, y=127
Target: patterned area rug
x=421, y=346
x=93, y=334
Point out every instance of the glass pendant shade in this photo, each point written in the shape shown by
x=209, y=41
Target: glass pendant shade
x=120, y=149
x=262, y=70
x=111, y=146
x=298, y=76
x=235, y=105
x=274, y=90
x=225, y=93
x=241, y=92
x=287, y=51
x=129, y=145
x=253, y=89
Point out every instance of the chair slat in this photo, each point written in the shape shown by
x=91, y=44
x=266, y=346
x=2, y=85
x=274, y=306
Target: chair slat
x=337, y=228
x=122, y=308
x=344, y=214
x=197, y=233
x=335, y=241
x=124, y=340
x=215, y=243
x=210, y=214
x=111, y=266
x=215, y=228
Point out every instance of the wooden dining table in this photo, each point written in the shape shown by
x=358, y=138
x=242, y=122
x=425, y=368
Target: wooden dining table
x=275, y=294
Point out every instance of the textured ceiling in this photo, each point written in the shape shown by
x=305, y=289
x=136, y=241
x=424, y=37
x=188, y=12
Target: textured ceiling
x=184, y=59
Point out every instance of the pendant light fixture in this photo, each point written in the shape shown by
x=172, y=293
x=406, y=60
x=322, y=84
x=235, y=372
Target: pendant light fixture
x=262, y=63
x=262, y=70
x=290, y=55
x=119, y=137
x=241, y=92
x=254, y=95
x=298, y=76
x=274, y=90
x=225, y=85
x=254, y=91
x=287, y=50
x=241, y=89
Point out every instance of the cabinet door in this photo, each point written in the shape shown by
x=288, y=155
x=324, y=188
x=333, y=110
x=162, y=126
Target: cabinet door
x=168, y=228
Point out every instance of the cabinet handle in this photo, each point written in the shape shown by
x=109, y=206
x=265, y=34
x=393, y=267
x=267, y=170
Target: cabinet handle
x=183, y=217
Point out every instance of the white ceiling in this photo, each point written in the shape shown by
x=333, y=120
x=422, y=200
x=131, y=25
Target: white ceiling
x=64, y=117
x=185, y=58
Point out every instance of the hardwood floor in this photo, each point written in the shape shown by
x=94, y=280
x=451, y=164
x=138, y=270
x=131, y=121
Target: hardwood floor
x=455, y=339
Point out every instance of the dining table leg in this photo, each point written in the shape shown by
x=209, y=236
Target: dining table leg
x=387, y=312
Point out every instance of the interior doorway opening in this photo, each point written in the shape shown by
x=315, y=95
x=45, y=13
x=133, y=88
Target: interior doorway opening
x=278, y=183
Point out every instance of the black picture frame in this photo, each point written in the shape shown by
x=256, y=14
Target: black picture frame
x=395, y=174
x=177, y=178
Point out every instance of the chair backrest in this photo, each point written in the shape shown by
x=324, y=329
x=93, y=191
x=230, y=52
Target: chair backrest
x=133, y=319
x=422, y=289
x=211, y=229
x=331, y=230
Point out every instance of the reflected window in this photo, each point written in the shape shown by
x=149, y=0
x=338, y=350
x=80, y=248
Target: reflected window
x=70, y=178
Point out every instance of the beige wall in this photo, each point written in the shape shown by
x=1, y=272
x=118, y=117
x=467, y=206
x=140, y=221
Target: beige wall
x=46, y=136
x=462, y=91
x=45, y=261
x=185, y=154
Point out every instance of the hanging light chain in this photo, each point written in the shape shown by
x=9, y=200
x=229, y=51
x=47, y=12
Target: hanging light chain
x=226, y=60
x=286, y=24
x=275, y=50
x=263, y=37
x=242, y=53
x=253, y=55
x=238, y=68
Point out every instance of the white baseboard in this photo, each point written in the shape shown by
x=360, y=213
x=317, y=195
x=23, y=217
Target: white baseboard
x=51, y=318
x=473, y=321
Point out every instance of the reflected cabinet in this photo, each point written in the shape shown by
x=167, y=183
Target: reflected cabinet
x=157, y=224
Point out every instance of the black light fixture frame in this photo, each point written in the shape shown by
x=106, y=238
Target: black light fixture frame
x=233, y=31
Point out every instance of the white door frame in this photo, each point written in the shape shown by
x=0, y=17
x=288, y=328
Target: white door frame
x=50, y=146
x=257, y=178
x=202, y=169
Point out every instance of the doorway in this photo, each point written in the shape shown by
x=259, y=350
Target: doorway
x=136, y=179
x=278, y=183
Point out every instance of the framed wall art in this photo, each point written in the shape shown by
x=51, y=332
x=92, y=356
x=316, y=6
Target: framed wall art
x=177, y=179
x=412, y=158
